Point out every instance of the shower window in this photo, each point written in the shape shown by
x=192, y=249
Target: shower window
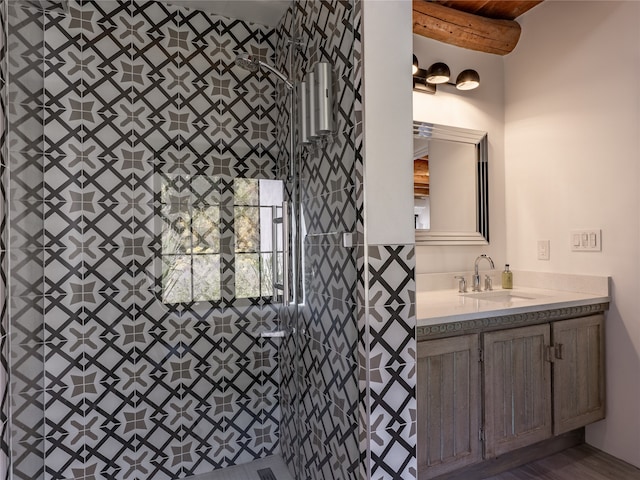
x=210, y=224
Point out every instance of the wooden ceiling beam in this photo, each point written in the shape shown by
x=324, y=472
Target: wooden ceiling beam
x=464, y=29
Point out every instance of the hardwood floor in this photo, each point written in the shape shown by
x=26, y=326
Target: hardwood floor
x=578, y=463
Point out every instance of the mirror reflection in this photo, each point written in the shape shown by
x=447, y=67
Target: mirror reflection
x=450, y=185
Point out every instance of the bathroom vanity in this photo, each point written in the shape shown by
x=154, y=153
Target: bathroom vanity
x=503, y=370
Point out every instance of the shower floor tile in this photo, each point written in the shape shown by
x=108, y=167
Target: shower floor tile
x=249, y=471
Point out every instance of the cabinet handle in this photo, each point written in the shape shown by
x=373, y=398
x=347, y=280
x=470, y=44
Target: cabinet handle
x=549, y=357
x=558, y=350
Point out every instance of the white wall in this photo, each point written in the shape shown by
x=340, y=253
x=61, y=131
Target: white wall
x=388, y=146
x=451, y=165
x=480, y=109
x=573, y=161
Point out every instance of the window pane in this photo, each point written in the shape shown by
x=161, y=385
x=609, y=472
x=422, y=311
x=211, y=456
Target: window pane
x=206, y=230
x=247, y=275
x=267, y=274
x=193, y=220
x=271, y=192
x=206, y=277
x=266, y=228
x=176, y=278
x=246, y=191
x=247, y=222
x=176, y=234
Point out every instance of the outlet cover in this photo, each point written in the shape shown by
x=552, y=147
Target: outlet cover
x=543, y=249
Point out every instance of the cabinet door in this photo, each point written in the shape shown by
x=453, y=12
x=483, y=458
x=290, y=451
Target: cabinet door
x=578, y=372
x=517, y=383
x=448, y=404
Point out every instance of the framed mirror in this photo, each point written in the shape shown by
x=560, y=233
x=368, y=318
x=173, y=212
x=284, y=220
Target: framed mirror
x=451, y=185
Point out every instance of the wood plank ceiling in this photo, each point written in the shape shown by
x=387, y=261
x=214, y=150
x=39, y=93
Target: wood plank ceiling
x=499, y=10
x=483, y=25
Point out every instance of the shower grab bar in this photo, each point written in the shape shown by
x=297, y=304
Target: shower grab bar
x=284, y=220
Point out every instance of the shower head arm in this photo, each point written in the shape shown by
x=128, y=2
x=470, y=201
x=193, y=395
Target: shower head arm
x=251, y=63
x=277, y=73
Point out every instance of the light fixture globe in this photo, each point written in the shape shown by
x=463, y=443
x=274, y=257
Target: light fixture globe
x=468, y=80
x=438, y=73
x=414, y=67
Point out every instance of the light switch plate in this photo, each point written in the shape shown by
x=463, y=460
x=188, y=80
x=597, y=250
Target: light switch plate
x=586, y=240
x=543, y=249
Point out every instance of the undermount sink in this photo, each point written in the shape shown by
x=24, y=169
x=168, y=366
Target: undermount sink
x=502, y=296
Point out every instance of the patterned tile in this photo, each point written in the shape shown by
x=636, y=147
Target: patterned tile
x=393, y=454
x=331, y=272
x=27, y=372
x=390, y=358
x=392, y=339
x=110, y=83
x=392, y=274
x=392, y=393
x=332, y=169
x=332, y=320
x=162, y=78
x=330, y=213
x=27, y=460
x=330, y=314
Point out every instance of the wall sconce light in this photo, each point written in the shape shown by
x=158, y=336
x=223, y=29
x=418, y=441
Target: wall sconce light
x=426, y=80
x=438, y=73
x=468, y=80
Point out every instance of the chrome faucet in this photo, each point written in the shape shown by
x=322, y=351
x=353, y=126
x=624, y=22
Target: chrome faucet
x=476, y=275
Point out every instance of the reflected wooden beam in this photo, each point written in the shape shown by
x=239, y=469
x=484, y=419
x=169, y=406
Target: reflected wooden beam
x=421, y=177
x=464, y=29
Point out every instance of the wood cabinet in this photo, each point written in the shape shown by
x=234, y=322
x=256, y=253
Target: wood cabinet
x=449, y=403
x=512, y=388
x=517, y=388
x=578, y=372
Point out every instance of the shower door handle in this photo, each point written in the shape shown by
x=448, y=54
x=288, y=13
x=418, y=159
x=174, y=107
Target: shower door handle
x=285, y=254
x=274, y=247
x=284, y=221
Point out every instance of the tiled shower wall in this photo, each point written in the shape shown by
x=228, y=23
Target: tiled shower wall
x=105, y=101
x=326, y=380
x=4, y=311
x=130, y=401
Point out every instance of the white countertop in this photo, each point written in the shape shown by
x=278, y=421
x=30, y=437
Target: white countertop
x=443, y=306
